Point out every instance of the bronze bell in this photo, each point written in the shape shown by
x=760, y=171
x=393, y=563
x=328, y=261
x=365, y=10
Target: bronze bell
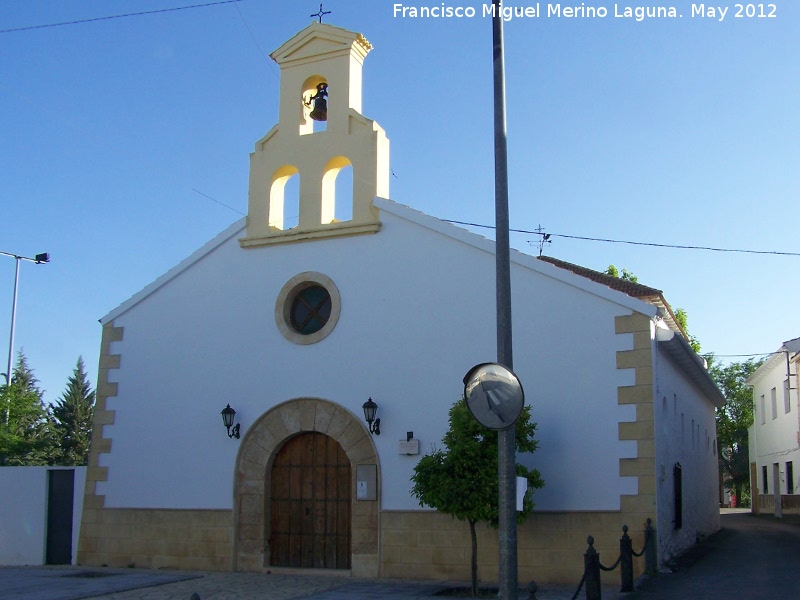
x=320, y=110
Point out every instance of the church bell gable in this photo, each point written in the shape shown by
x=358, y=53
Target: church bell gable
x=320, y=131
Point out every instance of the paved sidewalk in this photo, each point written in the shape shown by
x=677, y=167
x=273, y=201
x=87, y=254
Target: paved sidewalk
x=74, y=583
x=69, y=583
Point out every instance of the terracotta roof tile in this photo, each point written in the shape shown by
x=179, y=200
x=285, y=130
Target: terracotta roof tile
x=635, y=290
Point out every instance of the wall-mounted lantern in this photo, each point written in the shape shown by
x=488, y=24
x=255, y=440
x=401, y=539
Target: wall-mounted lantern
x=370, y=410
x=227, y=419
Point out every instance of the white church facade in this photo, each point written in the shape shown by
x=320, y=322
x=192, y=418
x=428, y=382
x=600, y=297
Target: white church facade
x=296, y=327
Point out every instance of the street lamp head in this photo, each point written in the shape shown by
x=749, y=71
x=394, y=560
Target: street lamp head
x=44, y=257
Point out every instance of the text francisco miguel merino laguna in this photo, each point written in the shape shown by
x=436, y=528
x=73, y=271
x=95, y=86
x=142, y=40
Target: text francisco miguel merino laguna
x=554, y=10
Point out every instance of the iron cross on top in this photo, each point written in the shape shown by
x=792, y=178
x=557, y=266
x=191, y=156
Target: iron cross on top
x=321, y=13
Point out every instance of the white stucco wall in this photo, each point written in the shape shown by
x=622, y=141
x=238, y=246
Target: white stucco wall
x=776, y=440
x=685, y=430
x=565, y=355
x=23, y=514
x=417, y=313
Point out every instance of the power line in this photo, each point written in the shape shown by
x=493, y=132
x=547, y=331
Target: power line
x=680, y=247
x=652, y=244
x=138, y=14
x=546, y=237
x=255, y=41
x=218, y=202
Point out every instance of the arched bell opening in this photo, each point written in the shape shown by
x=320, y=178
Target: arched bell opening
x=337, y=190
x=284, y=198
x=344, y=194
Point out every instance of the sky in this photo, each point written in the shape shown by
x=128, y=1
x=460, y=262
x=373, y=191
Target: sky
x=125, y=146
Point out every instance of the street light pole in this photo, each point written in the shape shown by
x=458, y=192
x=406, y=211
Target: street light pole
x=38, y=259
x=506, y=445
x=13, y=322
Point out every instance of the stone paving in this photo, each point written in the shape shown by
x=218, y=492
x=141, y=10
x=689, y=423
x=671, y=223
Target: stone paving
x=71, y=583
x=74, y=583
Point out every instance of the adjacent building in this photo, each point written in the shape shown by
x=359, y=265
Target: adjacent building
x=774, y=437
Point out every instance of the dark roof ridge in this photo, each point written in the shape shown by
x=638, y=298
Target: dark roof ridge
x=631, y=288
x=639, y=291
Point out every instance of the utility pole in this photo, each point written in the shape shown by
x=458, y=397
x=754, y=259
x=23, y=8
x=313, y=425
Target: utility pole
x=506, y=447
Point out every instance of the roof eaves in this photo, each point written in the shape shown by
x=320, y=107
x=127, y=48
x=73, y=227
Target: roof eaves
x=775, y=359
x=631, y=288
x=679, y=350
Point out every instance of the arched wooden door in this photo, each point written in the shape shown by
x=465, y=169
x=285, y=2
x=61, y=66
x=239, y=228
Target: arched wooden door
x=310, y=504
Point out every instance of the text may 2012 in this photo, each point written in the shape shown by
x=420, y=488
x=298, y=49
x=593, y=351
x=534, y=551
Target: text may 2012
x=582, y=11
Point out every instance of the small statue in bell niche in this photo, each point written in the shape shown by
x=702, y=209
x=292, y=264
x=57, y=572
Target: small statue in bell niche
x=320, y=110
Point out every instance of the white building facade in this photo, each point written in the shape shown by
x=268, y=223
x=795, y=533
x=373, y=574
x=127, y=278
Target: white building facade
x=295, y=328
x=40, y=514
x=774, y=436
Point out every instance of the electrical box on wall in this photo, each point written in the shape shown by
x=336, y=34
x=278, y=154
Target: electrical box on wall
x=366, y=482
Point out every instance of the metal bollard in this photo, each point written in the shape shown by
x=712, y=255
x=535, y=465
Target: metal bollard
x=591, y=563
x=626, y=561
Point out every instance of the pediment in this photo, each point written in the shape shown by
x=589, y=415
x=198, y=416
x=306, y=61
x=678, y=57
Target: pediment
x=320, y=40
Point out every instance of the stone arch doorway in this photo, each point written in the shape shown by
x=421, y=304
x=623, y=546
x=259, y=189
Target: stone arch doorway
x=253, y=483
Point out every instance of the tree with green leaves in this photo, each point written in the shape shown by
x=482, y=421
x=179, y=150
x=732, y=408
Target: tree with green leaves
x=461, y=480
x=683, y=319
x=73, y=413
x=733, y=420
x=26, y=435
x=626, y=275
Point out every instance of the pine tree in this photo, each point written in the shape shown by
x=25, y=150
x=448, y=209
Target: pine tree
x=73, y=413
x=26, y=432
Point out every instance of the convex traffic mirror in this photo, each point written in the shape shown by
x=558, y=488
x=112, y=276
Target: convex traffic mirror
x=494, y=395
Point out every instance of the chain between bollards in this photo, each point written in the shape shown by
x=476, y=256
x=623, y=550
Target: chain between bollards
x=580, y=585
x=593, y=566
